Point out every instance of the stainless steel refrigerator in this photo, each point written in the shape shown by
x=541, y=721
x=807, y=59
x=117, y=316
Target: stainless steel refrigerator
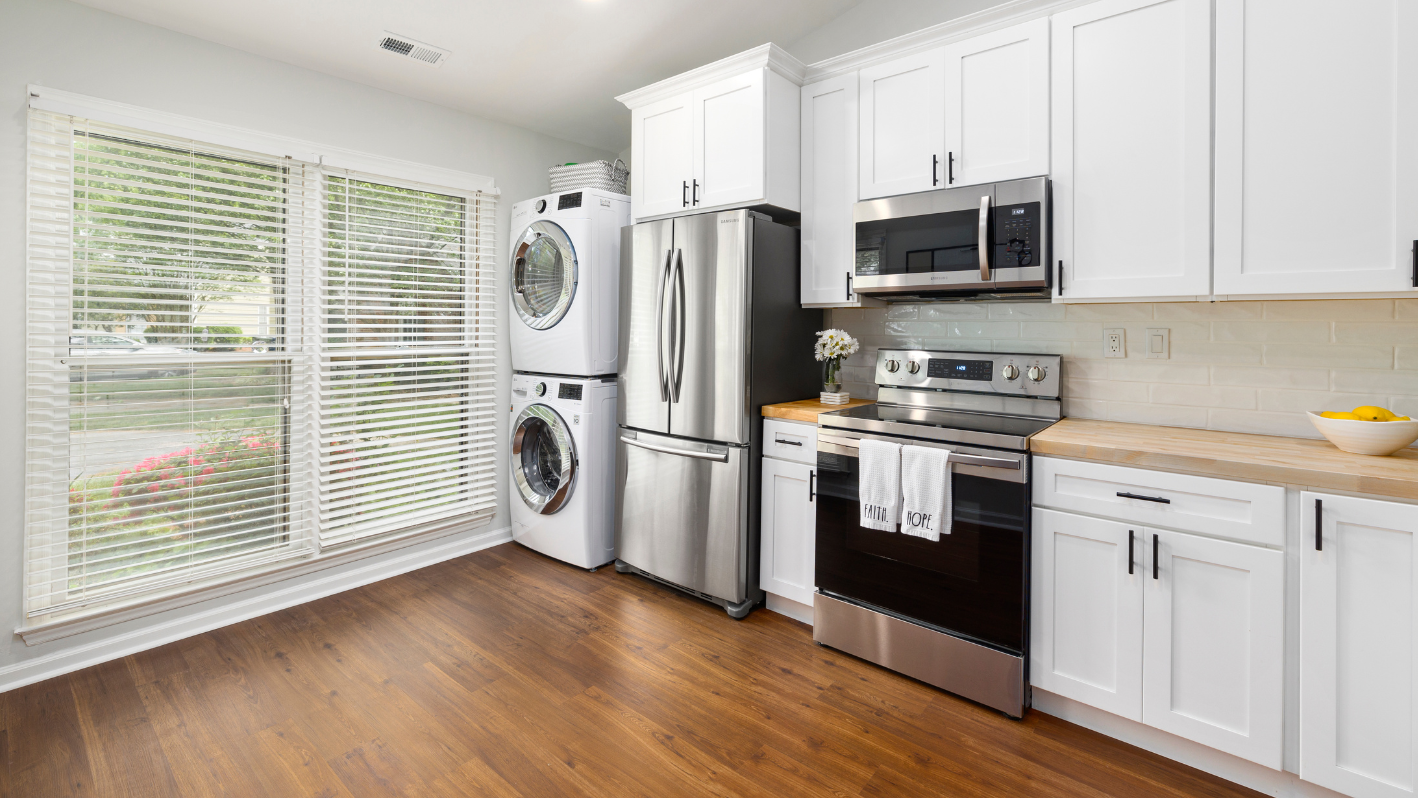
x=710, y=331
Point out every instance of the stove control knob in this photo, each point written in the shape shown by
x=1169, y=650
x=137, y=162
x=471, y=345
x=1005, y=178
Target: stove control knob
x=892, y=366
x=541, y=389
x=1010, y=372
x=1037, y=373
x=913, y=367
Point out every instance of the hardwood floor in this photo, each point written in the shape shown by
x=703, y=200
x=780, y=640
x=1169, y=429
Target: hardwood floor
x=504, y=673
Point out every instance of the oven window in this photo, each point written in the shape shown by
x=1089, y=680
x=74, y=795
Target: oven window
x=971, y=582
x=937, y=242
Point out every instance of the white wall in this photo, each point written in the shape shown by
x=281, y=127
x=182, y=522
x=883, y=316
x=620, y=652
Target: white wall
x=873, y=21
x=71, y=47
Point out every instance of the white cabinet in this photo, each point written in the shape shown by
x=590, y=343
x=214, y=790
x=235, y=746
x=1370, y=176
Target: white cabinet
x=725, y=136
x=1086, y=611
x=1316, y=146
x=1131, y=149
x=997, y=105
x=1357, y=641
x=902, y=128
x=788, y=529
x=1213, y=657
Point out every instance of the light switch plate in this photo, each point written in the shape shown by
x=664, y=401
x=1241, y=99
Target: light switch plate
x=1159, y=342
x=1115, y=342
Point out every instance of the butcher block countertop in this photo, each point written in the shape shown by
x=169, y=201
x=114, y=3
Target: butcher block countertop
x=1263, y=458
x=807, y=410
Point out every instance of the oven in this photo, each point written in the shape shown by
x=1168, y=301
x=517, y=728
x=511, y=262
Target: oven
x=985, y=239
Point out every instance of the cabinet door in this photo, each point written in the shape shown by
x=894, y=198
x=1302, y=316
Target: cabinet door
x=902, y=140
x=728, y=142
x=997, y=105
x=1316, y=146
x=1131, y=142
x=829, y=175
x=788, y=530
x=662, y=147
x=1214, y=659
x=1086, y=611
x=1357, y=676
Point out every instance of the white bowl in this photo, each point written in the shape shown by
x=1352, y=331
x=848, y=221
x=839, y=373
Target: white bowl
x=1366, y=437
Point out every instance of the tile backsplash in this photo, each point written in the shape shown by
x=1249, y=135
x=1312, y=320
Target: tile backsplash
x=1236, y=366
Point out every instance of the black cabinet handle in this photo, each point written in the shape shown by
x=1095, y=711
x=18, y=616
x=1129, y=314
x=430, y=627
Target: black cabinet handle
x=1319, y=524
x=787, y=443
x=695, y=194
x=1415, y=263
x=935, y=169
x=811, y=485
x=1130, y=552
x=1157, y=499
x=950, y=168
x=1154, y=555
x=849, y=286
x=1060, y=278
x=684, y=194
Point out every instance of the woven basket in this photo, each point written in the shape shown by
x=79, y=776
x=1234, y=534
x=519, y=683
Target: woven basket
x=602, y=175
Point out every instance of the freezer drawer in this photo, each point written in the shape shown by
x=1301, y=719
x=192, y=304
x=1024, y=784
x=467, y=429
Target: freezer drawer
x=682, y=512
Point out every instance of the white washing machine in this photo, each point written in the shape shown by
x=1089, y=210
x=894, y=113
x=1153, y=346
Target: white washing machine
x=563, y=467
x=565, y=281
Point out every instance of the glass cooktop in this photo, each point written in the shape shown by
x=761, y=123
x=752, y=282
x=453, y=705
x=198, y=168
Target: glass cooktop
x=984, y=429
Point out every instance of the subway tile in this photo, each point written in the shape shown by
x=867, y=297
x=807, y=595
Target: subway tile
x=1023, y=347
x=839, y=317
x=1086, y=369
x=915, y=330
x=902, y=312
x=1212, y=352
x=1177, y=330
x=1330, y=309
x=1383, y=380
x=983, y=329
x=1113, y=312
x=1065, y=330
x=1158, y=372
x=1406, y=358
x=1403, y=406
x=1102, y=389
x=1090, y=350
x=1268, y=377
x=1406, y=309
x=1328, y=355
x=952, y=310
x=1027, y=310
x=1205, y=311
x=1084, y=408
x=1295, y=425
x=1290, y=332
x=1203, y=396
x=1314, y=401
x=1372, y=334
x=1165, y=415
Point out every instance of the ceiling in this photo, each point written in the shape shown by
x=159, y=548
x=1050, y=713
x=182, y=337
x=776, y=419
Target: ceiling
x=553, y=66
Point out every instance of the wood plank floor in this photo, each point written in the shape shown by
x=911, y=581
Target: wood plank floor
x=504, y=673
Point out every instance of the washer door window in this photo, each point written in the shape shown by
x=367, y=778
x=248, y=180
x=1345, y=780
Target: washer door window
x=543, y=275
x=543, y=459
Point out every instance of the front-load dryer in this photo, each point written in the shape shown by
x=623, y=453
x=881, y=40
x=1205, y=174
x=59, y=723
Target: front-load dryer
x=563, y=467
x=565, y=280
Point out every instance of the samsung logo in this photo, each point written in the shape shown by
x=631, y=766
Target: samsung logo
x=727, y=221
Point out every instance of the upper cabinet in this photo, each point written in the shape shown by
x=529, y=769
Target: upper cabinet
x=902, y=126
x=723, y=136
x=997, y=105
x=1132, y=149
x=1316, y=146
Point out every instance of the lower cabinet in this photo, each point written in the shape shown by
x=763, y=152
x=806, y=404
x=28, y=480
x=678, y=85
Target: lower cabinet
x=1358, y=682
x=788, y=529
x=1178, y=631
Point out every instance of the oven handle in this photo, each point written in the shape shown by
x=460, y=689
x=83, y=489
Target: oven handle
x=962, y=459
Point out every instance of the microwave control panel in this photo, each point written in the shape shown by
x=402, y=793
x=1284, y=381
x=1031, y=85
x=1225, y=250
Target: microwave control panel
x=1017, y=236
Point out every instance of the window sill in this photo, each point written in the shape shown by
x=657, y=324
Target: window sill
x=44, y=629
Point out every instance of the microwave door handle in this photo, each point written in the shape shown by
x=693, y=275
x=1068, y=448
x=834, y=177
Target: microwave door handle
x=660, y=328
x=984, y=238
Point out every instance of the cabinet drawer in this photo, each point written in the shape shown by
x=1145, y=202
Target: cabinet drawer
x=790, y=440
x=1242, y=511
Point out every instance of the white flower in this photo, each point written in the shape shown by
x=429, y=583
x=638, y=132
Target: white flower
x=835, y=343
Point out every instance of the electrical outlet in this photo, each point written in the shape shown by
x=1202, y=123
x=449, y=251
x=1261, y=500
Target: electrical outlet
x=1159, y=342
x=1115, y=342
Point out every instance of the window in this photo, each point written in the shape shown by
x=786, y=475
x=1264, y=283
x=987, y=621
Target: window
x=237, y=360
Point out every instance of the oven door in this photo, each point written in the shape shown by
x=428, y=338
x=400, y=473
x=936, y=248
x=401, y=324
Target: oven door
x=970, y=584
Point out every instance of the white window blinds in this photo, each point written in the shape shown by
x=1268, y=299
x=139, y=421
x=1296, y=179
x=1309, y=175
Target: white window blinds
x=234, y=358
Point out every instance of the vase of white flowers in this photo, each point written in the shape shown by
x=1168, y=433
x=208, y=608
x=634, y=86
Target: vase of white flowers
x=832, y=346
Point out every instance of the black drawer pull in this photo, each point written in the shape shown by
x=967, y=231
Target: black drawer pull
x=1130, y=554
x=811, y=485
x=1154, y=555
x=788, y=443
x=1319, y=524
x=1157, y=499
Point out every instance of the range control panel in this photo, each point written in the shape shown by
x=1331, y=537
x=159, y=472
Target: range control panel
x=1015, y=375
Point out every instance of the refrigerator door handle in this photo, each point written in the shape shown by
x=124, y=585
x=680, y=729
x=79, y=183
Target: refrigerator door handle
x=660, y=329
x=677, y=327
x=722, y=457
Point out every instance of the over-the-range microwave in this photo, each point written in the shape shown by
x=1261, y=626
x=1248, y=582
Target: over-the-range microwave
x=955, y=242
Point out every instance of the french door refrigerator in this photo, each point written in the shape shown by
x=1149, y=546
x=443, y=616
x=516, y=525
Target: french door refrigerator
x=710, y=331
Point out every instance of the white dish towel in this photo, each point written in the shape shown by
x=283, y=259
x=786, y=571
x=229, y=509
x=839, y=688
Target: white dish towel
x=879, y=484
x=925, y=492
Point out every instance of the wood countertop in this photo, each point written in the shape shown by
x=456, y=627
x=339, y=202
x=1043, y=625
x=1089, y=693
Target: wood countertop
x=1264, y=458
x=807, y=410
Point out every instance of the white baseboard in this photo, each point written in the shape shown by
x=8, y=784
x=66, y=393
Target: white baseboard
x=796, y=610
x=1279, y=783
x=233, y=609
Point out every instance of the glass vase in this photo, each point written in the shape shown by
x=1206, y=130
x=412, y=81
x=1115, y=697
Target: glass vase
x=832, y=375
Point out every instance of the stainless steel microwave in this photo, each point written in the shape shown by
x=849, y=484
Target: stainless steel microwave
x=985, y=239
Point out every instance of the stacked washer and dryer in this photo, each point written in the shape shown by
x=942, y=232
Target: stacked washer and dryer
x=565, y=281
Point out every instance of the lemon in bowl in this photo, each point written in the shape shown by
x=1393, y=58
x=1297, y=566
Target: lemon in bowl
x=1366, y=430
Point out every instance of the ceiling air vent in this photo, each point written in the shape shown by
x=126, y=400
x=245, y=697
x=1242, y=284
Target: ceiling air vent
x=412, y=48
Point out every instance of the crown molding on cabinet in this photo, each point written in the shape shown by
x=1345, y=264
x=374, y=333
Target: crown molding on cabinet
x=767, y=55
